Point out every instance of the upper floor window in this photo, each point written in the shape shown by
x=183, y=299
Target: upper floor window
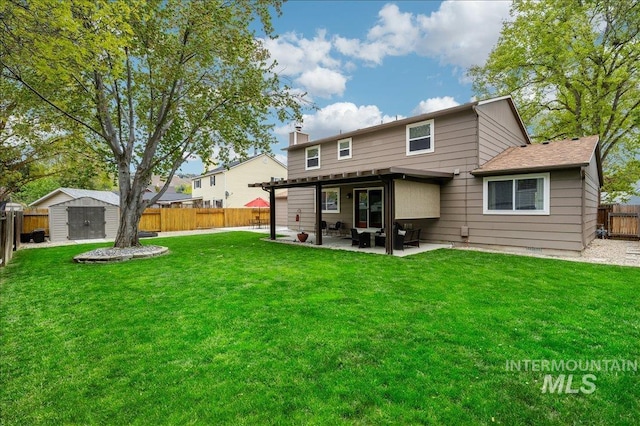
x=517, y=194
x=312, y=157
x=197, y=184
x=344, y=149
x=212, y=180
x=420, y=137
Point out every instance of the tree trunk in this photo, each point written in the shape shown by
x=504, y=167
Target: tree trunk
x=131, y=206
x=127, y=236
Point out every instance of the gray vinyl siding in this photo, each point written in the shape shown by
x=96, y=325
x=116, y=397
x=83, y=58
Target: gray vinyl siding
x=560, y=230
x=58, y=222
x=455, y=141
x=281, y=211
x=591, y=201
x=301, y=199
x=58, y=198
x=455, y=147
x=58, y=230
x=498, y=129
x=463, y=141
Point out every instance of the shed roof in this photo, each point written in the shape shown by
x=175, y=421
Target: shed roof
x=562, y=154
x=84, y=202
x=106, y=196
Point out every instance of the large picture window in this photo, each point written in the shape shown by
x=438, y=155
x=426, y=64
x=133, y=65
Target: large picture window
x=312, y=157
x=521, y=194
x=420, y=137
x=330, y=200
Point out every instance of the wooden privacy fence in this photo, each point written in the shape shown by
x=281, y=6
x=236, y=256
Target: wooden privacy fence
x=35, y=219
x=620, y=221
x=162, y=220
x=10, y=225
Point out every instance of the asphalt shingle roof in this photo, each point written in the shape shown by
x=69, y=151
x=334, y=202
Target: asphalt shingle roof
x=540, y=156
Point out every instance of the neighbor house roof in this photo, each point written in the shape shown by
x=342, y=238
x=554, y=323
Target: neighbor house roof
x=169, y=196
x=544, y=156
x=106, y=196
x=235, y=163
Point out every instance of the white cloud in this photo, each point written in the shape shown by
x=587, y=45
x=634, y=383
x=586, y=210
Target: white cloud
x=395, y=34
x=462, y=33
x=308, y=62
x=435, y=104
x=339, y=118
x=459, y=33
x=323, y=82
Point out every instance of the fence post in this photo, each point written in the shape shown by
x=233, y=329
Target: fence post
x=7, y=236
x=3, y=222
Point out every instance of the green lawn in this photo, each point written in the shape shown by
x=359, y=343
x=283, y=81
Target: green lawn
x=230, y=329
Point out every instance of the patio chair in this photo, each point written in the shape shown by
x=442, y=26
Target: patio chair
x=335, y=228
x=323, y=227
x=361, y=240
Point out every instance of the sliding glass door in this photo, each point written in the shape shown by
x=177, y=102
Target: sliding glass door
x=369, y=212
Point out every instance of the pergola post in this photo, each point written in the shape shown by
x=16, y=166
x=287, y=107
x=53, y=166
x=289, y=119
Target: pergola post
x=318, y=215
x=272, y=213
x=389, y=214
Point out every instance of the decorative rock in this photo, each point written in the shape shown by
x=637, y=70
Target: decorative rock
x=114, y=254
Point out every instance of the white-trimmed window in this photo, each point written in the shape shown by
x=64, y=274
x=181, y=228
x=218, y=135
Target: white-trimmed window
x=330, y=200
x=212, y=180
x=420, y=137
x=197, y=184
x=517, y=194
x=312, y=157
x=344, y=149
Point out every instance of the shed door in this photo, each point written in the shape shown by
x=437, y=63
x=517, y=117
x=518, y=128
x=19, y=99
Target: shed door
x=86, y=223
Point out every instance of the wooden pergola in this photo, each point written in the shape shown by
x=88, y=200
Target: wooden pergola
x=384, y=176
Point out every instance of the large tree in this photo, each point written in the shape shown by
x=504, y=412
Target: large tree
x=32, y=148
x=149, y=82
x=573, y=67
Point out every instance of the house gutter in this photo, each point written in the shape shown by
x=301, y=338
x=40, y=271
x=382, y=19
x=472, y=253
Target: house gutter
x=480, y=172
x=583, y=201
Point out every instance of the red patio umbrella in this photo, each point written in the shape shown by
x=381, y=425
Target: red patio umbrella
x=259, y=203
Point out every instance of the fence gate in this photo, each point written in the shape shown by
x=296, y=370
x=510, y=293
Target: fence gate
x=86, y=223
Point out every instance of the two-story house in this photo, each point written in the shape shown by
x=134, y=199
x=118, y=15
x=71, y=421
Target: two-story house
x=468, y=175
x=227, y=185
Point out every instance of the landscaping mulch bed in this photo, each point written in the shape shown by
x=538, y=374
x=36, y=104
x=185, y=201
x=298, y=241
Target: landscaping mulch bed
x=113, y=254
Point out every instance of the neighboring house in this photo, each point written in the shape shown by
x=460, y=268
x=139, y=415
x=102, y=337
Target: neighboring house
x=227, y=186
x=170, y=198
x=80, y=214
x=467, y=175
x=158, y=182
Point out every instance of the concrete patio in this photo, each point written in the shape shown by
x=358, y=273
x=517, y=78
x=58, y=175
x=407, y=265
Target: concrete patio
x=343, y=242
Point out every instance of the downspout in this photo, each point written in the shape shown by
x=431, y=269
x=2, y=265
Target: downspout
x=224, y=194
x=583, y=201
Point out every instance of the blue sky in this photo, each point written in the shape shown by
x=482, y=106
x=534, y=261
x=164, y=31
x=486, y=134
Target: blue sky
x=367, y=62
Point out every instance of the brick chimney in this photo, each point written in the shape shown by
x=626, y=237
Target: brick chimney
x=297, y=137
